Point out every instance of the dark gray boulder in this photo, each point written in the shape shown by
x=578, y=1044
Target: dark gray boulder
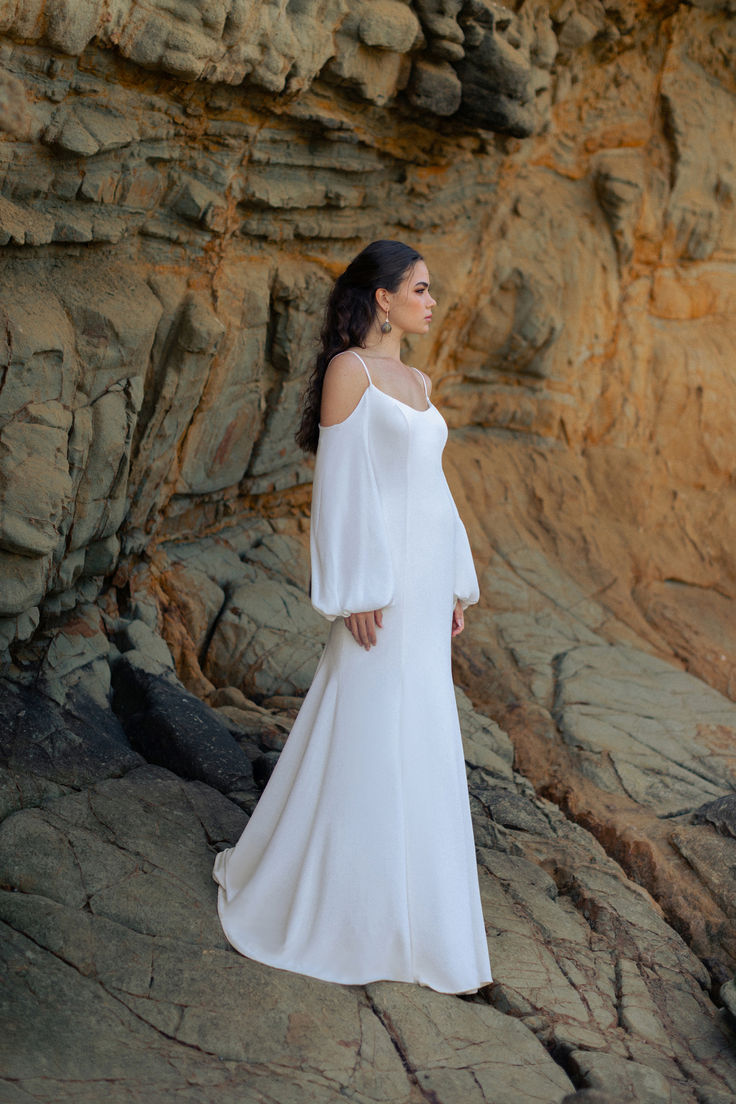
x=168, y=726
x=73, y=744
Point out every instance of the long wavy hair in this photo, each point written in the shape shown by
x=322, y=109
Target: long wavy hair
x=351, y=310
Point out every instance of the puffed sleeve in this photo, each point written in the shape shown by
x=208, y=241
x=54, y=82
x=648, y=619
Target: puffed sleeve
x=352, y=570
x=466, y=580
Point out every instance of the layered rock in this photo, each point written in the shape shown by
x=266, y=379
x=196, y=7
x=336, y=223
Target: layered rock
x=585, y=277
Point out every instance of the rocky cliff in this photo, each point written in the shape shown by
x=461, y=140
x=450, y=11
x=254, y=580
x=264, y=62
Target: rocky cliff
x=179, y=182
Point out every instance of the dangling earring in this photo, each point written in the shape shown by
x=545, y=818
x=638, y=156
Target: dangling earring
x=386, y=326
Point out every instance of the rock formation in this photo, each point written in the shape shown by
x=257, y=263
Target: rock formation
x=178, y=184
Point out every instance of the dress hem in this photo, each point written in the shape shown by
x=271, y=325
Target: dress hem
x=265, y=961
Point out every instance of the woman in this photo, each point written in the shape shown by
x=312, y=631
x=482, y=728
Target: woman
x=358, y=863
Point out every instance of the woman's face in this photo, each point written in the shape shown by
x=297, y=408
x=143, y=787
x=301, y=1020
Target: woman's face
x=411, y=305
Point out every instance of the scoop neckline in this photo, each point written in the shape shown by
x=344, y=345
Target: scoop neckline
x=401, y=401
x=356, y=408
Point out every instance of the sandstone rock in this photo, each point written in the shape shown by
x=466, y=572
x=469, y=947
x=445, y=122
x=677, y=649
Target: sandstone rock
x=632, y=1081
x=24, y=584
x=263, y=729
x=698, y=623
x=290, y=704
x=577, y=30
x=139, y=637
x=124, y=886
x=424, y=1026
x=145, y=815
x=496, y=71
x=638, y=738
x=33, y=450
x=375, y=74
x=625, y=794
x=15, y=117
x=216, y=630
x=175, y=203
x=20, y=226
x=227, y=696
x=268, y=637
x=435, y=87
x=64, y=477
x=285, y=555
x=728, y=996
x=388, y=25
x=19, y=628
x=714, y=858
x=75, y=658
x=620, y=185
x=696, y=217
x=104, y=433
x=20, y=790
x=192, y=341
x=485, y=745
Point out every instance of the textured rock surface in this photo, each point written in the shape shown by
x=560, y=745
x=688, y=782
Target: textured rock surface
x=178, y=184
x=111, y=930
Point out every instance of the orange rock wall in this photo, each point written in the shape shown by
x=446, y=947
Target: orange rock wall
x=180, y=230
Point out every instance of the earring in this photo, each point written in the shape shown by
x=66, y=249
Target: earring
x=386, y=326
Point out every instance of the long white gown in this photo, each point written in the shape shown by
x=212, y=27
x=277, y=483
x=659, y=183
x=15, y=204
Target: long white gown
x=358, y=863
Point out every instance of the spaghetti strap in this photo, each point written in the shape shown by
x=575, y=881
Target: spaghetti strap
x=424, y=382
x=363, y=363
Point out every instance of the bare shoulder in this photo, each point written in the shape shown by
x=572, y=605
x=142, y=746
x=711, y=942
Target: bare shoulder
x=345, y=366
x=344, y=383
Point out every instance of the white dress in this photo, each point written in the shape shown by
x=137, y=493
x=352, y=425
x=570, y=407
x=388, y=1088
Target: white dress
x=358, y=863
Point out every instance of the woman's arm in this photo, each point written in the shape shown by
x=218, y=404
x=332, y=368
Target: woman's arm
x=352, y=569
x=344, y=385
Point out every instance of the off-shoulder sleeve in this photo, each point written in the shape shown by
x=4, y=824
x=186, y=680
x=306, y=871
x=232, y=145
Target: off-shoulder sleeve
x=466, y=580
x=352, y=570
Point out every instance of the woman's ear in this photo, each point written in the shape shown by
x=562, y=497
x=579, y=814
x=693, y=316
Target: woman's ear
x=383, y=299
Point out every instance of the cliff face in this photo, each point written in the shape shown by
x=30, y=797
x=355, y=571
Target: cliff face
x=178, y=185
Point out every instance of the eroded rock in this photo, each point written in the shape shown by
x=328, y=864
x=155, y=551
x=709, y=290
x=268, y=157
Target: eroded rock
x=174, y=205
x=113, y=889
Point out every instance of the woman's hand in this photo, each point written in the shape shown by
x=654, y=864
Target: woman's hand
x=363, y=627
x=458, y=618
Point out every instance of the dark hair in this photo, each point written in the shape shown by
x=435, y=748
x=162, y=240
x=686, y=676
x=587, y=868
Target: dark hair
x=350, y=311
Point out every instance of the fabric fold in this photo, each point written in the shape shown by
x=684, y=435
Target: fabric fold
x=466, y=580
x=352, y=570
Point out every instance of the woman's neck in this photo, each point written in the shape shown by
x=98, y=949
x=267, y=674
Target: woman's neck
x=387, y=345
